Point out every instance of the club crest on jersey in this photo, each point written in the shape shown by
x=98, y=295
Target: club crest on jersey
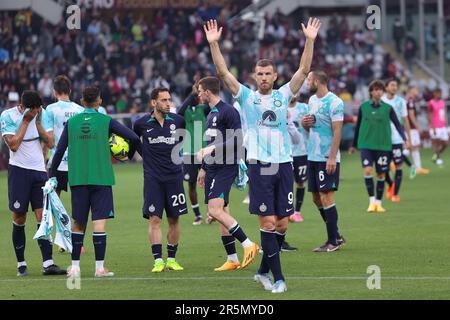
x=172, y=127
x=214, y=121
x=263, y=207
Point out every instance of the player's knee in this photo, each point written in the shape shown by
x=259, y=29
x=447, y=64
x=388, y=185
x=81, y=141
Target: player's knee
x=215, y=209
x=19, y=219
x=268, y=224
x=368, y=171
x=172, y=221
x=78, y=227
x=316, y=199
x=155, y=222
x=326, y=198
x=281, y=228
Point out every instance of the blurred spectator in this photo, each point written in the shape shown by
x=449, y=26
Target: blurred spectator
x=128, y=54
x=398, y=33
x=410, y=50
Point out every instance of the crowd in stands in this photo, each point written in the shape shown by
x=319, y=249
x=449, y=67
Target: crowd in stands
x=129, y=54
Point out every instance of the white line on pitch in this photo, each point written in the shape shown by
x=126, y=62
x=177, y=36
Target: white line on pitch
x=225, y=278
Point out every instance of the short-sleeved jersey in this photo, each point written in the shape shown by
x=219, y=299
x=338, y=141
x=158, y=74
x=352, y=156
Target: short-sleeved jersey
x=29, y=155
x=326, y=110
x=268, y=137
x=437, y=110
x=297, y=113
x=102, y=110
x=244, y=124
x=58, y=114
x=222, y=124
x=158, y=144
x=399, y=106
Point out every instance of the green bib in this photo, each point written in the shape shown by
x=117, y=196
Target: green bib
x=89, y=153
x=375, y=127
x=195, y=125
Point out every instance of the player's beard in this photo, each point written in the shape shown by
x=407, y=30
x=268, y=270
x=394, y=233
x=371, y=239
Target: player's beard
x=312, y=90
x=162, y=110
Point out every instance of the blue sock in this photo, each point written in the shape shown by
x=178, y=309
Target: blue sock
x=196, y=209
x=322, y=214
x=264, y=265
x=99, y=239
x=171, y=250
x=380, y=189
x=332, y=229
x=300, y=195
x=77, y=244
x=398, y=180
x=157, y=251
x=19, y=239
x=324, y=218
x=228, y=243
x=46, y=248
x=271, y=250
x=369, y=186
x=280, y=238
x=388, y=179
x=238, y=233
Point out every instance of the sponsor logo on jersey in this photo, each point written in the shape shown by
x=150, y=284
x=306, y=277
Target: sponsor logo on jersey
x=161, y=139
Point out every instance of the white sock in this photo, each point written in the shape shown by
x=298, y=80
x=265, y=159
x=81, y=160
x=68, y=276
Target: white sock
x=48, y=263
x=233, y=257
x=76, y=263
x=247, y=243
x=20, y=264
x=416, y=159
x=378, y=202
x=99, y=265
x=372, y=200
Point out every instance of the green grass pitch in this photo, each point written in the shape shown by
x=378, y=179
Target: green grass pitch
x=410, y=243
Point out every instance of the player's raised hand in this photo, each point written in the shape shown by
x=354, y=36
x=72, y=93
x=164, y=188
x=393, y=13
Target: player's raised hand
x=312, y=28
x=213, y=33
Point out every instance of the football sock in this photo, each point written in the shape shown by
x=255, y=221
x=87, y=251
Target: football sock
x=322, y=214
x=230, y=248
x=19, y=239
x=416, y=159
x=300, y=195
x=380, y=188
x=239, y=234
x=332, y=218
x=398, y=180
x=99, y=239
x=369, y=185
x=272, y=253
x=196, y=209
x=406, y=160
x=77, y=244
x=280, y=238
x=388, y=179
x=46, y=250
x=157, y=251
x=172, y=250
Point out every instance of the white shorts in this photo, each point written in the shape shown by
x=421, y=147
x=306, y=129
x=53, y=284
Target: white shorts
x=439, y=134
x=415, y=138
